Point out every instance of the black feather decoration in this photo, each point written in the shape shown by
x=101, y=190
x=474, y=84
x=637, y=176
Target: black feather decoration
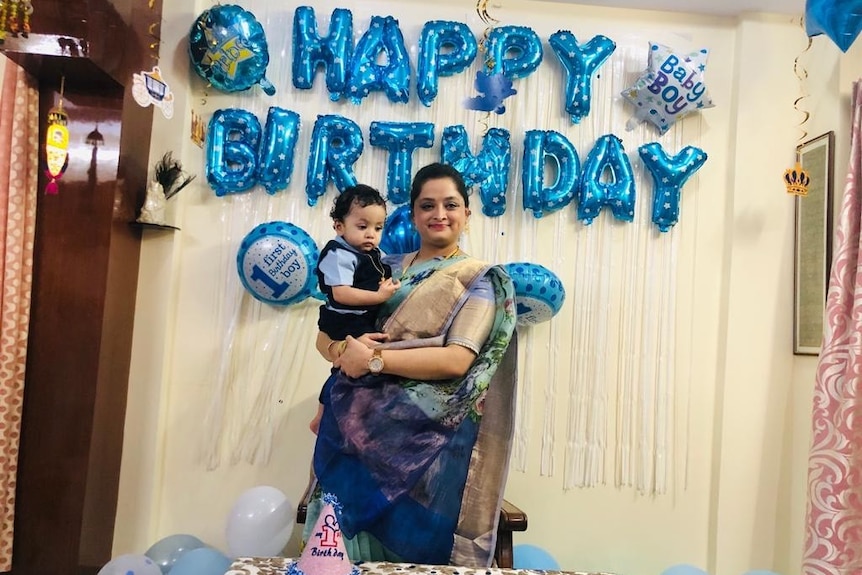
x=170, y=174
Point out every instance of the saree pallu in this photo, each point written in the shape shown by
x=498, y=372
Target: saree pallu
x=419, y=467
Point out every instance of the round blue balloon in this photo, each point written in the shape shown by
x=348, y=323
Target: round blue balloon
x=165, y=552
x=276, y=262
x=533, y=557
x=683, y=569
x=203, y=561
x=539, y=293
x=227, y=47
x=399, y=233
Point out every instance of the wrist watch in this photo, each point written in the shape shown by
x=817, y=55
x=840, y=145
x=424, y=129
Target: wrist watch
x=375, y=362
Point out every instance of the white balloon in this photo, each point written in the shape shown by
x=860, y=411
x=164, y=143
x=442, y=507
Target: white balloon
x=130, y=565
x=260, y=523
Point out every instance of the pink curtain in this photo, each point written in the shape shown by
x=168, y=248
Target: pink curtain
x=833, y=542
x=19, y=148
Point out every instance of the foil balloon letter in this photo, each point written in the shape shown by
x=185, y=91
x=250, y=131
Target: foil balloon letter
x=580, y=63
x=383, y=40
x=275, y=158
x=400, y=139
x=336, y=144
x=489, y=169
x=669, y=175
x=514, y=51
x=542, y=148
x=445, y=49
x=310, y=51
x=233, y=137
x=399, y=233
x=608, y=157
x=227, y=47
x=841, y=20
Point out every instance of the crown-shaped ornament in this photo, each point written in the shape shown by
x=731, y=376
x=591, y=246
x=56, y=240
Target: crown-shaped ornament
x=796, y=180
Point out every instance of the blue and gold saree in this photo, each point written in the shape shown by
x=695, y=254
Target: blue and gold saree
x=419, y=466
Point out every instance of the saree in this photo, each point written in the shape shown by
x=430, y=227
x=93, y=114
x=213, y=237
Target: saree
x=419, y=467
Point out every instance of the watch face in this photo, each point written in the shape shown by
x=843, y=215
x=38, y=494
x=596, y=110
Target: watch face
x=375, y=364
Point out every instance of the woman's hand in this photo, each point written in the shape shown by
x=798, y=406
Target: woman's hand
x=354, y=359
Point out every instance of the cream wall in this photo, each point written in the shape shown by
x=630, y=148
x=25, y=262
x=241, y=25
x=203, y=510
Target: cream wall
x=737, y=496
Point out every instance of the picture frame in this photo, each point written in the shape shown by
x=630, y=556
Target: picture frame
x=813, y=244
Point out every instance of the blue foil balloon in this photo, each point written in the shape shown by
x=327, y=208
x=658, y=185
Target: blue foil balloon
x=166, y=551
x=336, y=144
x=400, y=139
x=841, y=20
x=514, y=51
x=233, y=136
x=669, y=175
x=489, y=169
x=609, y=157
x=227, y=47
x=275, y=157
x=539, y=293
x=399, y=233
x=276, y=263
x=540, y=147
x=580, y=63
x=333, y=52
x=382, y=40
x=445, y=49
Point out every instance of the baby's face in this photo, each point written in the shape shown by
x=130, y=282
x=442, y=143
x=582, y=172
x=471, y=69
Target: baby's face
x=363, y=226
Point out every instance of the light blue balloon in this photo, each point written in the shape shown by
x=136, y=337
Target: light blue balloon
x=399, y=233
x=227, y=47
x=489, y=169
x=669, y=174
x=233, y=137
x=580, y=62
x=533, y=557
x=130, y=564
x=166, y=551
x=275, y=157
x=336, y=144
x=539, y=293
x=841, y=20
x=310, y=51
x=435, y=61
x=683, y=569
x=539, y=146
x=514, y=51
x=608, y=156
x=401, y=139
x=203, y=561
x=382, y=39
x=276, y=262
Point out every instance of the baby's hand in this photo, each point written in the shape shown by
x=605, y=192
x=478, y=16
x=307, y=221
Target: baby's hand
x=388, y=287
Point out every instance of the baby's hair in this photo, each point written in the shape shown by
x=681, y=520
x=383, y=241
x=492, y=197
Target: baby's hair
x=361, y=195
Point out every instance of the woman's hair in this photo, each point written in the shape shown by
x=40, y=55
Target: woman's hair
x=435, y=172
x=361, y=195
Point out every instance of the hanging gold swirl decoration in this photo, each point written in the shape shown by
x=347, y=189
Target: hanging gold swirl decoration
x=490, y=22
x=796, y=179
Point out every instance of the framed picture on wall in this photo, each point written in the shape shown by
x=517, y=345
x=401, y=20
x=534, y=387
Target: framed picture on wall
x=813, y=244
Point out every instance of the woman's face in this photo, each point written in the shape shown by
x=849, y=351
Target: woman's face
x=440, y=213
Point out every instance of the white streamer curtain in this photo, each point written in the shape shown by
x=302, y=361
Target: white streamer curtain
x=19, y=145
x=834, y=515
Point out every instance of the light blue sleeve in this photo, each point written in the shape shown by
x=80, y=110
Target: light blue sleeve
x=338, y=267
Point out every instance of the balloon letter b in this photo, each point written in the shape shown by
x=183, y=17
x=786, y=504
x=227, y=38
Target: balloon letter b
x=232, y=140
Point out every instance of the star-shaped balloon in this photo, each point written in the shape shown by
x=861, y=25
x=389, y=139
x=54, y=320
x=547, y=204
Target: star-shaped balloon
x=841, y=20
x=670, y=88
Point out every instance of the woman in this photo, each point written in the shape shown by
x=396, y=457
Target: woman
x=399, y=444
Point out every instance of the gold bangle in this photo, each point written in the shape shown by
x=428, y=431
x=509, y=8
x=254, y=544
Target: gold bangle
x=329, y=348
x=342, y=344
